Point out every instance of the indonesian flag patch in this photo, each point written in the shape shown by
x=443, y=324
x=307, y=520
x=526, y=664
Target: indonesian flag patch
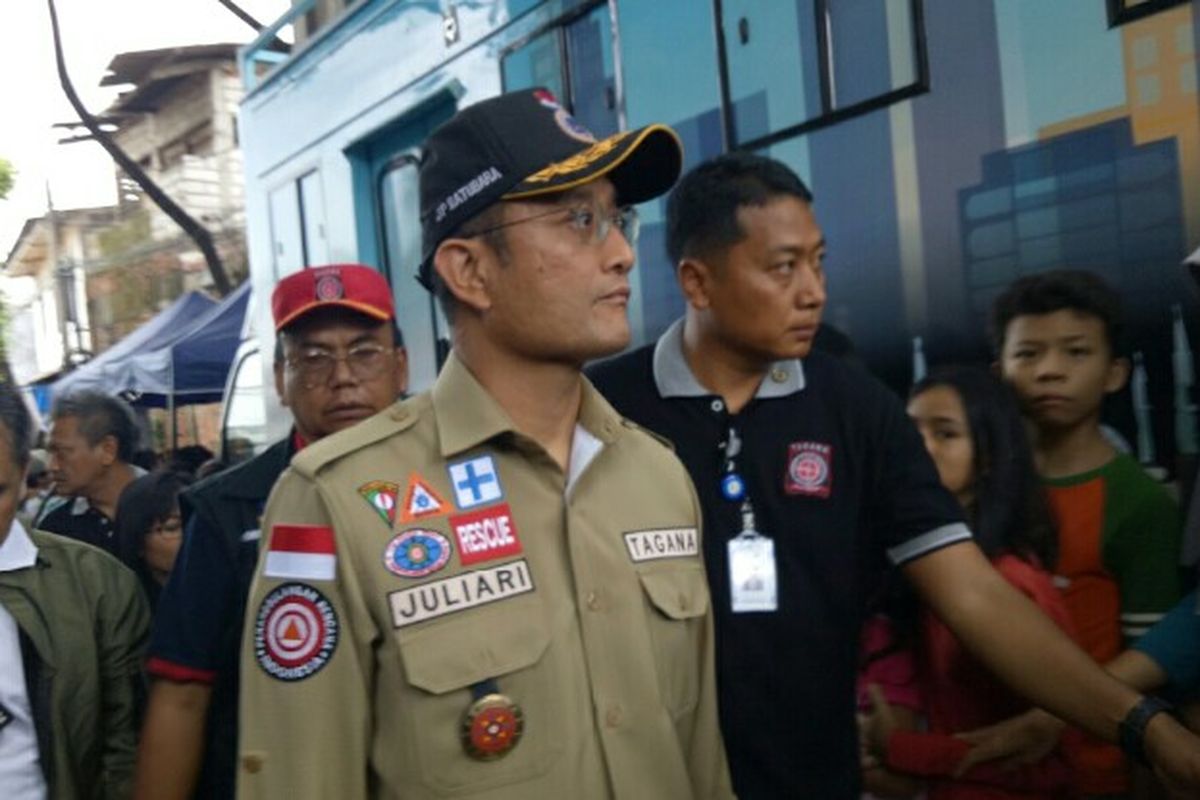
x=301, y=552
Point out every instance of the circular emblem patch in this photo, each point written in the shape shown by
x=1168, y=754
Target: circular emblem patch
x=295, y=633
x=416, y=553
x=808, y=469
x=329, y=287
x=492, y=727
x=571, y=127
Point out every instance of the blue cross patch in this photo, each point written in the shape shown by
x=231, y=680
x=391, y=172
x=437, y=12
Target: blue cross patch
x=475, y=482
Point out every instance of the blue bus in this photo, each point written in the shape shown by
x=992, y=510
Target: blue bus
x=951, y=146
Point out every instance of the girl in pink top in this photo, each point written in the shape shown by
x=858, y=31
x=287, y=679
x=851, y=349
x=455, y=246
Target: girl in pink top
x=974, y=433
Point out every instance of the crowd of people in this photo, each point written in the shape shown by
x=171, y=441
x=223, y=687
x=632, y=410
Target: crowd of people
x=729, y=563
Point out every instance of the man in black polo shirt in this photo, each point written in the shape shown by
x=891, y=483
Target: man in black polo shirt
x=92, y=438
x=339, y=359
x=811, y=477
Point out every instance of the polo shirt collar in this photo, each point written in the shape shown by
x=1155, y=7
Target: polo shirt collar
x=80, y=505
x=674, y=378
x=17, y=551
x=467, y=415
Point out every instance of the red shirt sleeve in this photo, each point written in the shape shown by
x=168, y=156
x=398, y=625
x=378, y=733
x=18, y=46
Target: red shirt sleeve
x=935, y=755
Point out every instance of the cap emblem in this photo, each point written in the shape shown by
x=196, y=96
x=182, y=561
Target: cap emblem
x=329, y=287
x=572, y=127
x=577, y=162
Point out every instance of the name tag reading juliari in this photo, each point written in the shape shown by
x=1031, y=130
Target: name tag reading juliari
x=752, y=573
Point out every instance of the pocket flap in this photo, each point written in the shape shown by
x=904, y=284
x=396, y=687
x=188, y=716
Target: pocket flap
x=678, y=593
x=458, y=653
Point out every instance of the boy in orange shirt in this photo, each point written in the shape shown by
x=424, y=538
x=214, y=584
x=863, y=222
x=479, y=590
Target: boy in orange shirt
x=1058, y=336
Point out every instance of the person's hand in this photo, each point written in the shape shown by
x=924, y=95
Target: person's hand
x=1175, y=753
x=1024, y=739
x=879, y=725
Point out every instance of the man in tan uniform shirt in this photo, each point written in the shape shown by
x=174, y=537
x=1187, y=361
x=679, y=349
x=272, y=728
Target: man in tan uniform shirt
x=495, y=589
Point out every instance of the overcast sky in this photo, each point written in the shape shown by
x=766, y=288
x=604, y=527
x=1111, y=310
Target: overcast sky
x=31, y=100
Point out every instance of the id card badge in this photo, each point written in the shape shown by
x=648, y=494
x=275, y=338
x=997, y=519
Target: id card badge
x=752, y=573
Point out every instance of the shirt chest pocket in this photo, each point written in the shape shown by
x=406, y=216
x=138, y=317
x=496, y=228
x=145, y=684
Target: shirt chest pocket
x=677, y=597
x=450, y=663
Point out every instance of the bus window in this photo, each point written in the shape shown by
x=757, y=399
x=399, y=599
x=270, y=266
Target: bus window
x=312, y=219
x=244, y=427
x=287, y=234
x=574, y=60
x=795, y=66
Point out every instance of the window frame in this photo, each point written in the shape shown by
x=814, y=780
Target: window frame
x=559, y=25
x=828, y=116
x=1119, y=13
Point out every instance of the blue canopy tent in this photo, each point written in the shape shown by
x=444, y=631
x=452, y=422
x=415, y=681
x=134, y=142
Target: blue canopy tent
x=193, y=366
x=103, y=371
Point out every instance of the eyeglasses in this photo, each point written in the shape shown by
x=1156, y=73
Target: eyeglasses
x=314, y=365
x=592, y=224
x=170, y=529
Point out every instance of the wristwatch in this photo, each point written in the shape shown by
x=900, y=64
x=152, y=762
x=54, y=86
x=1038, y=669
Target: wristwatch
x=1131, y=733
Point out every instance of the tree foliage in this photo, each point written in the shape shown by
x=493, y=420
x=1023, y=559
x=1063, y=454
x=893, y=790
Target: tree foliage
x=6, y=177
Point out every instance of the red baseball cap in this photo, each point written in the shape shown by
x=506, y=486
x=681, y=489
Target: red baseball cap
x=353, y=286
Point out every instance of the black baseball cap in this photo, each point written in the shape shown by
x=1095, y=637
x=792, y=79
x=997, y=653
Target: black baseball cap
x=524, y=144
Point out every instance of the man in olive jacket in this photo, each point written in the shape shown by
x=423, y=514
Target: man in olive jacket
x=73, y=627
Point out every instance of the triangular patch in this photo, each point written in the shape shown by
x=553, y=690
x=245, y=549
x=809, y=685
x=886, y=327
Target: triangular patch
x=421, y=500
x=381, y=496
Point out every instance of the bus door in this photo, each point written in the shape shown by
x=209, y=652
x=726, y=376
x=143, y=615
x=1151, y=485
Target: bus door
x=389, y=233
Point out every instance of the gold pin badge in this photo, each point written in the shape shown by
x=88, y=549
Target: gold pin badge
x=491, y=727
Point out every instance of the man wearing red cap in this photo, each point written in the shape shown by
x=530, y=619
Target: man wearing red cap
x=339, y=359
x=534, y=620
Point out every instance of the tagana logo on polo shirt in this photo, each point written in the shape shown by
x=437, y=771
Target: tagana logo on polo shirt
x=485, y=535
x=809, y=469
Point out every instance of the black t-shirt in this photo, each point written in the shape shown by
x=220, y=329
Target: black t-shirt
x=839, y=478
x=75, y=518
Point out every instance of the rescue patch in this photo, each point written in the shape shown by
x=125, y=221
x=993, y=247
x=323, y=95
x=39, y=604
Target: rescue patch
x=662, y=543
x=381, y=496
x=416, y=553
x=485, y=535
x=475, y=482
x=295, y=632
x=301, y=552
x=459, y=593
x=421, y=500
x=809, y=469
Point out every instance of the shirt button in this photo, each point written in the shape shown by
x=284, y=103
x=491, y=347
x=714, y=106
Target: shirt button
x=779, y=374
x=593, y=601
x=612, y=717
x=718, y=405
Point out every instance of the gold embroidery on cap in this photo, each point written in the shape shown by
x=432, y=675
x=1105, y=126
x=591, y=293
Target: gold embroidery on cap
x=578, y=161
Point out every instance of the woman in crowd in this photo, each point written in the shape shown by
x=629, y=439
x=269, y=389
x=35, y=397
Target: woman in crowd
x=974, y=433
x=149, y=528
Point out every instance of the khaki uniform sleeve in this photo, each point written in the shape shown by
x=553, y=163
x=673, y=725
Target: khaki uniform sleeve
x=305, y=707
x=702, y=740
